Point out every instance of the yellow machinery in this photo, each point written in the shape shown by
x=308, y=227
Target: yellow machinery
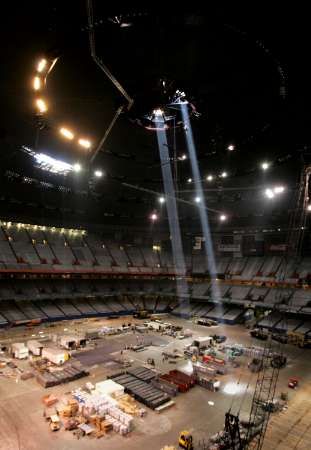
x=300, y=339
x=185, y=440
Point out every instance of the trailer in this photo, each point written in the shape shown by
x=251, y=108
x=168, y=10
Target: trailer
x=35, y=347
x=19, y=350
x=157, y=325
x=71, y=342
x=203, y=342
x=55, y=355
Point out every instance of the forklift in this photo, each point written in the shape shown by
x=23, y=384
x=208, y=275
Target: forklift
x=185, y=440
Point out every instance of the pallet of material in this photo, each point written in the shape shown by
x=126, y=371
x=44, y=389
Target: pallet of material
x=142, y=373
x=165, y=386
x=142, y=391
x=67, y=374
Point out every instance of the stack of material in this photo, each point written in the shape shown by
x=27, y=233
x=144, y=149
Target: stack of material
x=105, y=407
x=142, y=391
x=49, y=400
x=69, y=373
x=203, y=369
x=110, y=387
x=142, y=373
x=128, y=405
x=165, y=386
x=26, y=375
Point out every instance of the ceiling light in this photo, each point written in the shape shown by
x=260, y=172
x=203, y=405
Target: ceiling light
x=66, y=133
x=269, y=193
x=77, y=167
x=154, y=217
x=161, y=200
x=197, y=199
x=36, y=83
x=309, y=207
x=265, y=166
x=183, y=157
x=41, y=65
x=189, y=180
x=223, y=174
x=41, y=105
x=223, y=217
x=158, y=112
x=231, y=147
x=209, y=178
x=98, y=173
x=84, y=143
x=279, y=189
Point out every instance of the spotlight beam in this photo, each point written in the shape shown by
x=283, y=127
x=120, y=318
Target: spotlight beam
x=209, y=252
x=173, y=219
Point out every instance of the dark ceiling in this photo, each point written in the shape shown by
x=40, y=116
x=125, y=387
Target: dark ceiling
x=244, y=69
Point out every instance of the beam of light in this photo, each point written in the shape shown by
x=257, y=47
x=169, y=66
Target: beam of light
x=41, y=65
x=66, y=133
x=77, y=167
x=279, y=189
x=265, y=166
x=52, y=165
x=209, y=252
x=41, y=105
x=173, y=219
x=37, y=83
x=269, y=193
x=84, y=143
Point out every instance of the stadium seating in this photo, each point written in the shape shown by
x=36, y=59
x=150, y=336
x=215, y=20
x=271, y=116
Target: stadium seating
x=48, y=250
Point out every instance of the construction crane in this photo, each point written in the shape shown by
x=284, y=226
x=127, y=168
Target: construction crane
x=112, y=78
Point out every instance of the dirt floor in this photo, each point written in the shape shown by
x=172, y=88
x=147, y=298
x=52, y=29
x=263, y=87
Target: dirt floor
x=23, y=427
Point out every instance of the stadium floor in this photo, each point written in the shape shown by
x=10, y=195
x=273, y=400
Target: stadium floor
x=23, y=427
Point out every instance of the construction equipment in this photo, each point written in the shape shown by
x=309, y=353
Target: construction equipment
x=219, y=339
x=258, y=333
x=278, y=361
x=185, y=440
x=300, y=339
x=54, y=422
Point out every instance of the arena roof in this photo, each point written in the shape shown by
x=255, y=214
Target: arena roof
x=244, y=72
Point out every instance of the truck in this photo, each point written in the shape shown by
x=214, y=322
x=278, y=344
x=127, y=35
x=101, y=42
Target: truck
x=55, y=355
x=202, y=342
x=259, y=333
x=206, y=322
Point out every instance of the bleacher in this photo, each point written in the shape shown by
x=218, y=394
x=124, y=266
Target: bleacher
x=50, y=250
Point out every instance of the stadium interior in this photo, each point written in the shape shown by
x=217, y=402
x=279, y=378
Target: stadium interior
x=155, y=165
